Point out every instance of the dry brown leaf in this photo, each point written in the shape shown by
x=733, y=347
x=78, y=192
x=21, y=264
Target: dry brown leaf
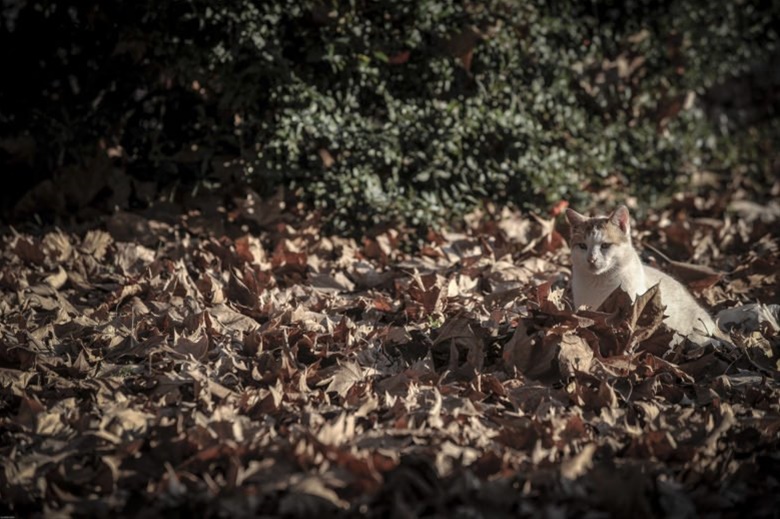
x=574, y=355
x=209, y=375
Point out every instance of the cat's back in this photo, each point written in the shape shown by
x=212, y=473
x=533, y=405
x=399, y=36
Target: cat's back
x=685, y=314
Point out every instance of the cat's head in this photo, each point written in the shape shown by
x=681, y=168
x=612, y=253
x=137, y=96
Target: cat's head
x=599, y=244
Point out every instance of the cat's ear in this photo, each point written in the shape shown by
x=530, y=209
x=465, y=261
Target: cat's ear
x=574, y=218
x=621, y=219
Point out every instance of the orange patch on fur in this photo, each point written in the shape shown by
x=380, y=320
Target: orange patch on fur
x=611, y=232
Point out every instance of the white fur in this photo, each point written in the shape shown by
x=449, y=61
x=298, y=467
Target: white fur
x=594, y=280
x=683, y=313
x=597, y=272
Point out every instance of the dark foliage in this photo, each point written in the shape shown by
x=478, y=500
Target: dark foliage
x=408, y=110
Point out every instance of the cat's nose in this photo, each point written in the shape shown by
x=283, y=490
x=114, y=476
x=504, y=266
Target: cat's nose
x=592, y=260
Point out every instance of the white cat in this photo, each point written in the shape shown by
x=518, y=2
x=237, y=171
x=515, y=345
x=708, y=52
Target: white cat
x=603, y=259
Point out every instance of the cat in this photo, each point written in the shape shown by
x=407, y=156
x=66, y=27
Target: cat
x=603, y=258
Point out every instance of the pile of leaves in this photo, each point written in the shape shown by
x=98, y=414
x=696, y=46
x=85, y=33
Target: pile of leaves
x=237, y=363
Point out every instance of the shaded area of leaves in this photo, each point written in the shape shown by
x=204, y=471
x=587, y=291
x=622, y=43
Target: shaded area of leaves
x=291, y=373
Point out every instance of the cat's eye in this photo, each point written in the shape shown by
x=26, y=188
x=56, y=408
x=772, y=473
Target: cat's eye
x=582, y=246
x=606, y=246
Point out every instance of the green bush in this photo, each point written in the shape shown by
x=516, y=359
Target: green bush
x=410, y=111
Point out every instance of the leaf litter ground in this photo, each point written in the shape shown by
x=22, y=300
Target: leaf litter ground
x=238, y=364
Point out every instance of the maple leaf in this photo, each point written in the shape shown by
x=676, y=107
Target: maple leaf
x=346, y=375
